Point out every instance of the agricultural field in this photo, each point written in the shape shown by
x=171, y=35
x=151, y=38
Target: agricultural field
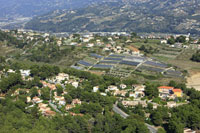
x=121, y=65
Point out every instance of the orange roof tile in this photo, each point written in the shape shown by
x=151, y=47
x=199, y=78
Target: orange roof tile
x=134, y=49
x=165, y=87
x=177, y=90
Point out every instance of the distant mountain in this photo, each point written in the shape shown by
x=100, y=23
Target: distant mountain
x=29, y=8
x=177, y=16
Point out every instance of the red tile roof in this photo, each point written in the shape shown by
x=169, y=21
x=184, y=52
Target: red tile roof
x=177, y=90
x=165, y=87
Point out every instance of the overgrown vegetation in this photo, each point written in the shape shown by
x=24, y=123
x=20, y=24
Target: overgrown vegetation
x=196, y=56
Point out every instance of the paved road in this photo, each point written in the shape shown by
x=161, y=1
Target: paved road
x=52, y=105
x=117, y=110
x=152, y=129
x=55, y=108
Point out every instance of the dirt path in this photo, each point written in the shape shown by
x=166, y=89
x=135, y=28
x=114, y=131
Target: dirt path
x=194, y=81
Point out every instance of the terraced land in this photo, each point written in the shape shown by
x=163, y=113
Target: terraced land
x=166, y=53
x=121, y=65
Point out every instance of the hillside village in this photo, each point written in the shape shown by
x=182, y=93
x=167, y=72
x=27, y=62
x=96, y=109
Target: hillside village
x=107, y=75
x=129, y=95
x=53, y=95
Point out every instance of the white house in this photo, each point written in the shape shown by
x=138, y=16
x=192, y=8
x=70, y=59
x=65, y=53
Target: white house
x=139, y=87
x=111, y=88
x=75, y=84
x=73, y=43
x=95, y=88
x=103, y=94
x=123, y=86
x=28, y=99
x=163, y=41
x=76, y=101
x=187, y=130
x=25, y=73
x=90, y=45
x=59, y=43
x=11, y=71
x=120, y=92
x=60, y=100
x=132, y=94
x=37, y=100
x=86, y=40
x=171, y=104
x=61, y=77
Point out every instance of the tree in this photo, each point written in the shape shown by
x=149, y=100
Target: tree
x=181, y=39
x=198, y=41
x=2, y=59
x=33, y=92
x=194, y=121
x=91, y=108
x=45, y=93
x=157, y=118
x=34, y=70
x=161, y=130
x=172, y=83
x=59, y=90
x=12, y=80
x=133, y=35
x=142, y=48
x=175, y=125
x=105, y=40
x=150, y=106
x=68, y=98
x=151, y=91
x=171, y=40
x=56, y=70
x=196, y=56
x=129, y=81
x=146, y=41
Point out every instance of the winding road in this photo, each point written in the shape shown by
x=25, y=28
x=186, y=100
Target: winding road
x=117, y=110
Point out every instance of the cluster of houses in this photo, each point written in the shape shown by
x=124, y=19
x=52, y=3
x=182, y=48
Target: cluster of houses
x=137, y=93
x=87, y=37
x=121, y=50
x=130, y=96
x=169, y=92
x=58, y=101
x=193, y=43
x=55, y=100
x=43, y=108
x=73, y=104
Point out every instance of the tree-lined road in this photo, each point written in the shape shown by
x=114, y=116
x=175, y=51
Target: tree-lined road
x=117, y=110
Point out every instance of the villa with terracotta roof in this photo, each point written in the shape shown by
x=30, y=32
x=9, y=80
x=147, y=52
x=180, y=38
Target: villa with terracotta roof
x=177, y=92
x=49, y=113
x=37, y=100
x=74, y=114
x=76, y=101
x=165, y=91
x=166, y=88
x=69, y=106
x=169, y=92
x=134, y=50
